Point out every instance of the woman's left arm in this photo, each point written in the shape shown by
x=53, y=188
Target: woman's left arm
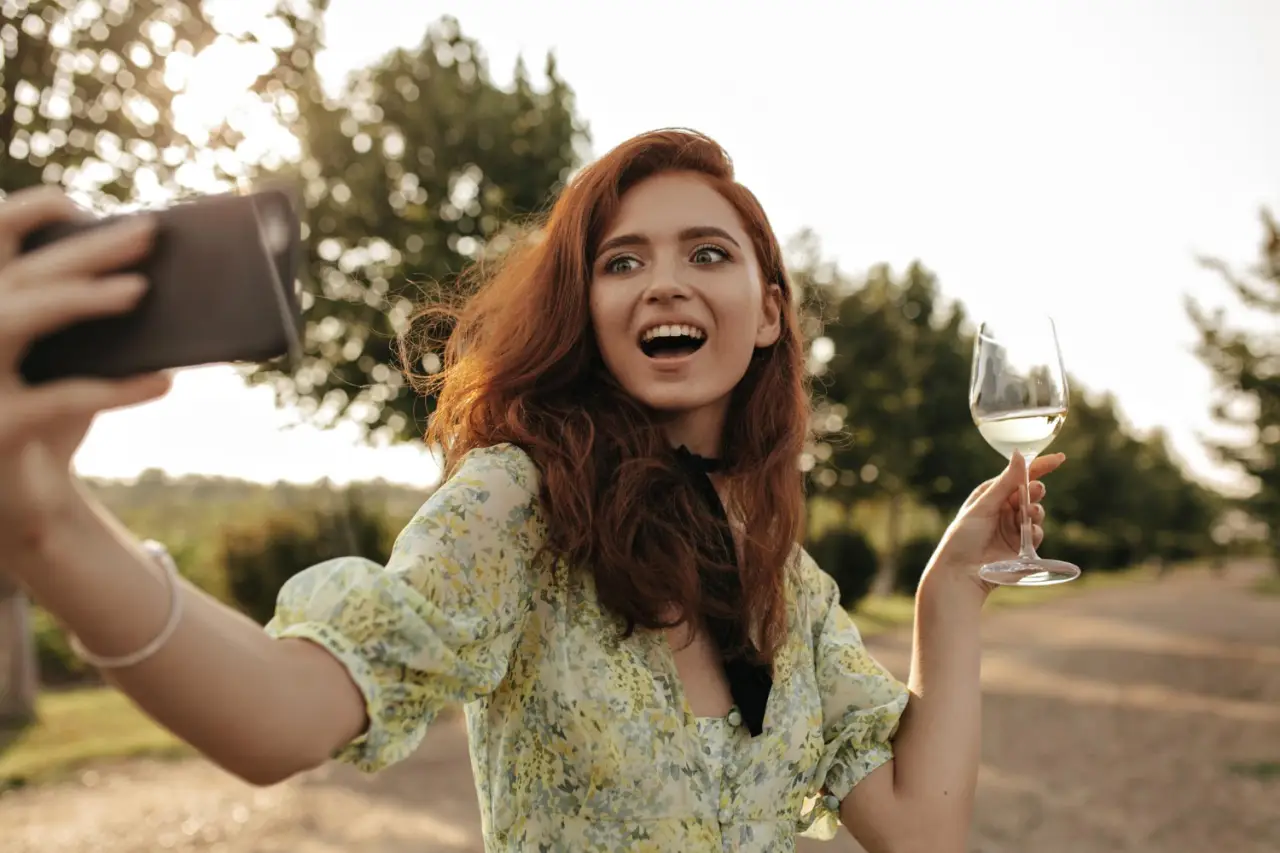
x=922, y=799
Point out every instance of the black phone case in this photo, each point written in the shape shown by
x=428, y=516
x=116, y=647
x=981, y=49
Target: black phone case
x=221, y=289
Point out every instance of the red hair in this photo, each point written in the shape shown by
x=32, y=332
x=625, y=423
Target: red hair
x=522, y=366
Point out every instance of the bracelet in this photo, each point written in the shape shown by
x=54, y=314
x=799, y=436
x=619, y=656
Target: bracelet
x=161, y=556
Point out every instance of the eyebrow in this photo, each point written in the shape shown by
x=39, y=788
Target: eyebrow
x=693, y=233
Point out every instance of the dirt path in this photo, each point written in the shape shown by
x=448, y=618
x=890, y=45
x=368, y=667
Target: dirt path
x=1113, y=722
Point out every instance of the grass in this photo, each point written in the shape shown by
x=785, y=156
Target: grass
x=1268, y=585
x=1020, y=596
x=77, y=728
x=1266, y=771
x=876, y=615
x=83, y=726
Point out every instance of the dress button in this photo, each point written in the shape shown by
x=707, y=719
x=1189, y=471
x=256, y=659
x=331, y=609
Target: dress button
x=831, y=802
x=735, y=717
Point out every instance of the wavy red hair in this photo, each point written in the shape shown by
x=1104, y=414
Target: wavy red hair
x=522, y=366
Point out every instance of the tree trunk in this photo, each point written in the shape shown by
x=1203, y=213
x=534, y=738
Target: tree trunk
x=886, y=580
x=19, y=667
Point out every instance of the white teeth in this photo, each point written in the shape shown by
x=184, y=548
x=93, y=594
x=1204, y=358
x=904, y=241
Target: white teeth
x=672, y=332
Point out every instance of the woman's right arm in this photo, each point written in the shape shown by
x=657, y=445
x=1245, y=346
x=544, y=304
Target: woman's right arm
x=261, y=708
x=359, y=658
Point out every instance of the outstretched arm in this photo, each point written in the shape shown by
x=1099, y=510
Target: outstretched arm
x=359, y=658
x=260, y=708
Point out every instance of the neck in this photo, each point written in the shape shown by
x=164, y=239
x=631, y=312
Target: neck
x=700, y=430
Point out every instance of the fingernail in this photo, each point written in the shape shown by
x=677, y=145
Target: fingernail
x=139, y=224
x=129, y=283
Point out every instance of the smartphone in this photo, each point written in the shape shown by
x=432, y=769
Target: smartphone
x=221, y=273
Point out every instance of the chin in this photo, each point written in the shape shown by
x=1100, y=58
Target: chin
x=677, y=399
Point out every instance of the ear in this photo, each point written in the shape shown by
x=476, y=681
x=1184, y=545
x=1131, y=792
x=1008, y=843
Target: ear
x=770, y=327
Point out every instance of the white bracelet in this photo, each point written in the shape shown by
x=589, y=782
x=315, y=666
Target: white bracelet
x=161, y=556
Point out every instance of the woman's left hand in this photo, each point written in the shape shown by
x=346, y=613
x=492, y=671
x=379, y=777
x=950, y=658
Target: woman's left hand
x=988, y=526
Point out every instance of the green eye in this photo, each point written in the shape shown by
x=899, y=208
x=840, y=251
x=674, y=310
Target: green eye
x=709, y=254
x=622, y=264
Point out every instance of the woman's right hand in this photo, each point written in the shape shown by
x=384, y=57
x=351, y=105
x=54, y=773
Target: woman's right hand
x=40, y=292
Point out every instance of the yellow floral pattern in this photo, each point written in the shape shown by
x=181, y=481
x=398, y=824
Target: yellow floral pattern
x=582, y=740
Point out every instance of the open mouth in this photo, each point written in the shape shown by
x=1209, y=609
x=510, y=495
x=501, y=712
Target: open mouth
x=672, y=341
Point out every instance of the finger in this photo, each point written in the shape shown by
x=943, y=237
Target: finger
x=1010, y=531
x=76, y=398
x=978, y=492
x=1002, y=487
x=1046, y=464
x=28, y=209
x=101, y=250
x=32, y=313
x=1037, y=494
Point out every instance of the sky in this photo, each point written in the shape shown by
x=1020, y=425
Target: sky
x=1068, y=156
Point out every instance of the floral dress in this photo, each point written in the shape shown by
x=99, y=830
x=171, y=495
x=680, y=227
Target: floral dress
x=582, y=740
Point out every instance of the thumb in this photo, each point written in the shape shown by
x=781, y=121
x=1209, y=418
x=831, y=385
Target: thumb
x=1013, y=478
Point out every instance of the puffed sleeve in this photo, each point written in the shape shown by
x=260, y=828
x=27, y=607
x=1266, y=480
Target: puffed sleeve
x=437, y=626
x=861, y=702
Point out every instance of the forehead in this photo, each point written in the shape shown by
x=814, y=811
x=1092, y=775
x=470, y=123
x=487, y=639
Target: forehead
x=666, y=204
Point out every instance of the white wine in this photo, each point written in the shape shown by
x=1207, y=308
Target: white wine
x=1028, y=431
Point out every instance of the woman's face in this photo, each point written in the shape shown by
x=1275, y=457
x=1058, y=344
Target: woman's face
x=677, y=299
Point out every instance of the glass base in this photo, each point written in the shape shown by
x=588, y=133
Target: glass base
x=1029, y=571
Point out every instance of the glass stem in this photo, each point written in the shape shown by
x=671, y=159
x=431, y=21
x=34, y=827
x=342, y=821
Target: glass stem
x=1027, y=549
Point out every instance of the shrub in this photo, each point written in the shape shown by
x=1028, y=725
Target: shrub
x=1091, y=550
x=913, y=558
x=259, y=558
x=848, y=557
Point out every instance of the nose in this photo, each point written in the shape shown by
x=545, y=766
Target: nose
x=665, y=286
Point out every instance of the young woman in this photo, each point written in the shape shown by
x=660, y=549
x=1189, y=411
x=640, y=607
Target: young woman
x=608, y=577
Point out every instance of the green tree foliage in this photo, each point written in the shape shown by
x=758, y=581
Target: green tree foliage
x=1245, y=363
x=420, y=167
x=892, y=362
x=1123, y=499
x=891, y=405
x=89, y=93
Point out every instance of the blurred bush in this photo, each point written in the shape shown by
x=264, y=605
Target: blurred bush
x=259, y=557
x=914, y=558
x=848, y=557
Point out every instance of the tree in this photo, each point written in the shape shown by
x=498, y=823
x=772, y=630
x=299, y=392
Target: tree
x=1245, y=364
x=892, y=378
x=420, y=167
x=90, y=94
x=891, y=363
x=88, y=97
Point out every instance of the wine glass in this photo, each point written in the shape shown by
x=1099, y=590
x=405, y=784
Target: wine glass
x=1018, y=399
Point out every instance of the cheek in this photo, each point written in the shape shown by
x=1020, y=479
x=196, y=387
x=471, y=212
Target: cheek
x=738, y=317
x=608, y=322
